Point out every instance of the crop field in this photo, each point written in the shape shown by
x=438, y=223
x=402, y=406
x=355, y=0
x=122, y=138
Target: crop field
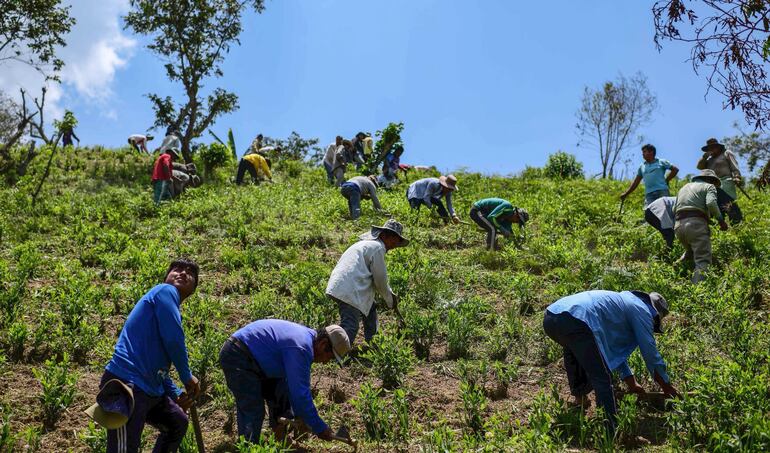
x=469, y=370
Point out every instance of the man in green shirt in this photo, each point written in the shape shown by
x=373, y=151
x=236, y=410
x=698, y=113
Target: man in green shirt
x=695, y=204
x=495, y=215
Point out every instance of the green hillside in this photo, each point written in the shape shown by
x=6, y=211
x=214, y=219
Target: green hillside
x=72, y=266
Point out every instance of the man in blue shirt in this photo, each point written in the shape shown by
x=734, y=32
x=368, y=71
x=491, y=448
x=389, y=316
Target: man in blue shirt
x=653, y=172
x=269, y=361
x=151, y=340
x=598, y=331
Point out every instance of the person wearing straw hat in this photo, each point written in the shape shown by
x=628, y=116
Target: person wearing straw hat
x=723, y=162
x=360, y=273
x=136, y=387
x=653, y=173
x=495, y=215
x=429, y=191
x=359, y=187
x=696, y=203
x=598, y=331
x=162, y=173
x=270, y=360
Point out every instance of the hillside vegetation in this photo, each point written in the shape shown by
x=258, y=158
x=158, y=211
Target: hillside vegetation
x=476, y=371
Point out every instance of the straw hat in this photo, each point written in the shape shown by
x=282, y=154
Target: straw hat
x=707, y=176
x=339, y=341
x=114, y=405
x=449, y=181
x=712, y=142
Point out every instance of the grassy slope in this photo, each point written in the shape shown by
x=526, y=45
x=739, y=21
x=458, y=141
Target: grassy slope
x=76, y=263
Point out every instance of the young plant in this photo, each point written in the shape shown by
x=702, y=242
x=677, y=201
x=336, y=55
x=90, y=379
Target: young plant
x=421, y=328
x=95, y=437
x=474, y=405
x=370, y=405
x=401, y=412
x=391, y=358
x=459, y=334
x=58, y=384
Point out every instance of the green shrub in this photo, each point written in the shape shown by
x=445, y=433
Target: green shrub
x=372, y=409
x=563, y=165
x=391, y=358
x=213, y=156
x=58, y=384
x=459, y=334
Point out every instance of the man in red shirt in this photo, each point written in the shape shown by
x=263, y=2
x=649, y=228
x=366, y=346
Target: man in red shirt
x=161, y=175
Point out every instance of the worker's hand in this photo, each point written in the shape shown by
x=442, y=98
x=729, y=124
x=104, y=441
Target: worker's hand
x=184, y=401
x=633, y=385
x=738, y=181
x=669, y=391
x=193, y=387
x=723, y=225
x=326, y=435
x=455, y=219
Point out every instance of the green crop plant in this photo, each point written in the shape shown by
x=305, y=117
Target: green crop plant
x=371, y=406
x=421, y=328
x=58, y=384
x=401, y=412
x=474, y=404
x=391, y=358
x=94, y=437
x=460, y=331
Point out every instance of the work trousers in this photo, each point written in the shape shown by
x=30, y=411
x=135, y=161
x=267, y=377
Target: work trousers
x=329, y=173
x=243, y=167
x=350, y=317
x=159, y=411
x=668, y=233
x=486, y=225
x=729, y=207
x=649, y=197
x=339, y=175
x=161, y=190
x=352, y=192
x=583, y=362
x=415, y=203
x=251, y=389
x=695, y=235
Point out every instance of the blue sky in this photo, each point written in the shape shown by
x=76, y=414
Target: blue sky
x=491, y=86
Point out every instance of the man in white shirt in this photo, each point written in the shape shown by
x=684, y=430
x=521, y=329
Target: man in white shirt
x=328, y=161
x=359, y=273
x=139, y=142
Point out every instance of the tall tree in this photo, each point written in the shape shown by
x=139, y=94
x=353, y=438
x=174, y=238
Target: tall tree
x=730, y=43
x=609, y=117
x=30, y=32
x=193, y=36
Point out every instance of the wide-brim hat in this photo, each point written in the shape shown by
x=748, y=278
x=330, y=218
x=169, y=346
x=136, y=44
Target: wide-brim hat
x=523, y=216
x=174, y=151
x=712, y=142
x=708, y=176
x=339, y=341
x=114, y=405
x=391, y=225
x=448, y=181
x=660, y=305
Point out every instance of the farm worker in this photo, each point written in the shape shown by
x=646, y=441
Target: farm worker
x=653, y=172
x=660, y=215
x=151, y=340
x=68, y=132
x=359, y=187
x=171, y=140
x=162, y=174
x=257, y=166
x=497, y=215
x=328, y=161
x=255, y=146
x=270, y=152
x=428, y=192
x=342, y=157
x=269, y=360
x=695, y=204
x=358, y=149
x=139, y=142
x=598, y=331
x=390, y=165
x=716, y=157
x=368, y=146
x=183, y=175
x=359, y=273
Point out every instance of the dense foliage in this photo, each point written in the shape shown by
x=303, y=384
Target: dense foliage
x=563, y=165
x=483, y=376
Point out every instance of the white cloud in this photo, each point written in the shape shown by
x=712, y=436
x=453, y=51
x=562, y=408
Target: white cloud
x=96, y=48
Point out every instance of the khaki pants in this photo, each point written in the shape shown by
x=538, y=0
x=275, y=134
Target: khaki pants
x=695, y=236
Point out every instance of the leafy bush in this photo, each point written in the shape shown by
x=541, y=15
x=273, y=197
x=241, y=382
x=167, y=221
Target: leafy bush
x=563, y=165
x=213, y=156
x=391, y=358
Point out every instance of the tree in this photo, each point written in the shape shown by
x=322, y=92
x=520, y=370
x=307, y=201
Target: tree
x=30, y=32
x=563, y=165
x=755, y=147
x=193, y=36
x=731, y=43
x=609, y=117
x=295, y=147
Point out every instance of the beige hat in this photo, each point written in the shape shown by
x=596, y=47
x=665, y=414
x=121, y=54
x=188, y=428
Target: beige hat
x=114, y=405
x=339, y=341
x=707, y=176
x=449, y=181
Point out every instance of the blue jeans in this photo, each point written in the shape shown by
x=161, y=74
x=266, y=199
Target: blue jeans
x=729, y=207
x=649, y=197
x=159, y=411
x=352, y=192
x=350, y=316
x=329, y=173
x=583, y=362
x=415, y=203
x=251, y=389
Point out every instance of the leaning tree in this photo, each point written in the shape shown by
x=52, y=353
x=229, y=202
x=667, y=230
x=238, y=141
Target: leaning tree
x=193, y=37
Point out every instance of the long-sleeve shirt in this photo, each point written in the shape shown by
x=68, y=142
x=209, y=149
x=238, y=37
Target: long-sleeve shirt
x=163, y=168
x=367, y=189
x=329, y=156
x=427, y=190
x=170, y=141
x=152, y=338
x=284, y=350
x=359, y=273
x=620, y=322
x=725, y=165
x=663, y=209
x=495, y=209
x=698, y=196
x=260, y=164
